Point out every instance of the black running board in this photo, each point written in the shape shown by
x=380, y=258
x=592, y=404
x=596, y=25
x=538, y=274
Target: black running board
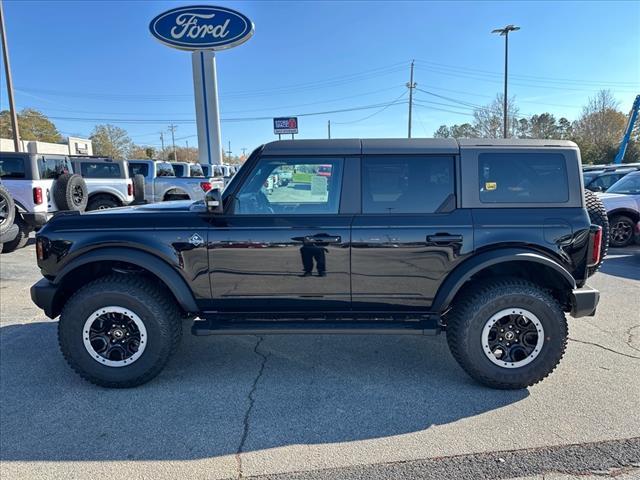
x=316, y=327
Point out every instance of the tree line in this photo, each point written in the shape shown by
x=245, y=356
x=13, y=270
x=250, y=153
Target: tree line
x=597, y=131
x=107, y=140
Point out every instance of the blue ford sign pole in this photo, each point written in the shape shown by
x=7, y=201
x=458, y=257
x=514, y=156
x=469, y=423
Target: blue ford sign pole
x=203, y=30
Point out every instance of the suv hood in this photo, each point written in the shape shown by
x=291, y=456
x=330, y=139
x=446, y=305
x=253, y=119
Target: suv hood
x=613, y=201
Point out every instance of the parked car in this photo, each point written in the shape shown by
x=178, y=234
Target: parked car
x=488, y=240
x=40, y=186
x=107, y=180
x=601, y=180
x=187, y=169
x=622, y=202
x=161, y=183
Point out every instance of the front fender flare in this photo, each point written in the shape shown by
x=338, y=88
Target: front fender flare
x=460, y=275
x=160, y=268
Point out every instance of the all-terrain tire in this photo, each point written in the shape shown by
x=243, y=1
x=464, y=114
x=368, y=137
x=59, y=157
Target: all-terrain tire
x=21, y=240
x=102, y=202
x=622, y=228
x=477, y=304
x=138, y=188
x=70, y=192
x=153, y=304
x=598, y=216
x=7, y=210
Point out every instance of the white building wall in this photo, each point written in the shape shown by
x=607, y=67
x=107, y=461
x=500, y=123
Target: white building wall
x=74, y=146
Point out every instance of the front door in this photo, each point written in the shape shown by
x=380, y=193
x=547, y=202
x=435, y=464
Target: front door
x=283, y=244
x=410, y=234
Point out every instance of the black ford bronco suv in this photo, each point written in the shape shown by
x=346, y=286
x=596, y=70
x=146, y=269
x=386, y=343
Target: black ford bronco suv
x=489, y=240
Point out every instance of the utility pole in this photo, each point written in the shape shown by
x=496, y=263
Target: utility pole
x=162, y=143
x=329, y=129
x=229, y=152
x=504, y=32
x=172, y=129
x=7, y=71
x=244, y=151
x=411, y=85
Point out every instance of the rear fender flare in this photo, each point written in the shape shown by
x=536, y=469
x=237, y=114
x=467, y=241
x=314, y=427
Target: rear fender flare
x=459, y=276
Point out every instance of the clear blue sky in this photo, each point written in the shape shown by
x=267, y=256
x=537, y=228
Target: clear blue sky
x=85, y=62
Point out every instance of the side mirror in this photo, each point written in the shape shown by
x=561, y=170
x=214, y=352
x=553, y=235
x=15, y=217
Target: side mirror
x=598, y=189
x=213, y=201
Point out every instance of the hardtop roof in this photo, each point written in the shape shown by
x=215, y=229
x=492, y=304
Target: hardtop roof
x=376, y=146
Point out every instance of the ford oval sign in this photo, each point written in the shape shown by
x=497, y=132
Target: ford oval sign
x=201, y=28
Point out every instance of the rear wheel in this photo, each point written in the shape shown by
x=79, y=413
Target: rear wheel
x=621, y=231
x=7, y=210
x=507, y=334
x=119, y=331
x=102, y=202
x=21, y=238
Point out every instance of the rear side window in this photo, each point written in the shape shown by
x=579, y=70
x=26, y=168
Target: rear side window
x=100, y=170
x=53, y=167
x=164, y=170
x=406, y=184
x=138, y=169
x=523, y=178
x=11, y=167
x=195, y=170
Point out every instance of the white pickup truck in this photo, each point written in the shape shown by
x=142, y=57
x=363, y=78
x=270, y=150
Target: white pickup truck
x=107, y=179
x=161, y=183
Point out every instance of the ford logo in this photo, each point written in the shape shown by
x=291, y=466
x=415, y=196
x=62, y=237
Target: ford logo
x=201, y=28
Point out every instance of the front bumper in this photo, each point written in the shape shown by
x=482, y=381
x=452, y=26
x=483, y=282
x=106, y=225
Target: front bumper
x=43, y=294
x=584, y=302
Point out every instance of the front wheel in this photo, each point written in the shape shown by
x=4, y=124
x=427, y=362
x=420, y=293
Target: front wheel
x=119, y=331
x=507, y=334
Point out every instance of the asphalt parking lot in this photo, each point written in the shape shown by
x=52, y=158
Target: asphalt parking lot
x=307, y=407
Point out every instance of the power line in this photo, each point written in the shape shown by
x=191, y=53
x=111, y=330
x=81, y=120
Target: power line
x=394, y=102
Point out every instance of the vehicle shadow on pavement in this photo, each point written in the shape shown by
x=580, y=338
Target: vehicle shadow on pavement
x=304, y=390
x=623, y=263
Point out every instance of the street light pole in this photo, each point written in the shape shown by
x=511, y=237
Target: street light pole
x=7, y=70
x=505, y=33
x=411, y=85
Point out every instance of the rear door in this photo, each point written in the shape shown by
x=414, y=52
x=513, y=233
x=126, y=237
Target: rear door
x=410, y=233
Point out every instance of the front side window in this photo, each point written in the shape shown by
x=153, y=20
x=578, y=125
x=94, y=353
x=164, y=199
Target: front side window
x=53, y=167
x=11, y=167
x=629, y=185
x=406, y=184
x=523, y=178
x=99, y=170
x=291, y=186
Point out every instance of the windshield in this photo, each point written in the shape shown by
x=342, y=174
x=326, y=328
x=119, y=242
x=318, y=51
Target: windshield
x=629, y=185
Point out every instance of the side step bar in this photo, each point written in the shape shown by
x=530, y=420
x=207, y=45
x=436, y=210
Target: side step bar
x=280, y=327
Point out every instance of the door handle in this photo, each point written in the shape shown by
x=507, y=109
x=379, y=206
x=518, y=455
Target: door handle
x=322, y=238
x=444, y=239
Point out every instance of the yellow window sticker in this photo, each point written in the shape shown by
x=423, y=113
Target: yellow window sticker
x=490, y=186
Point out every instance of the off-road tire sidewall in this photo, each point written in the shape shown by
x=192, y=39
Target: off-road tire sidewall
x=138, y=188
x=63, y=192
x=159, y=315
x=22, y=238
x=464, y=331
x=598, y=216
x=10, y=207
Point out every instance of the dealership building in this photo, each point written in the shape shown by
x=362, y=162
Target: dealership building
x=72, y=146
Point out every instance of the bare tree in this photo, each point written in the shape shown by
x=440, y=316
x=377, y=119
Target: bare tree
x=487, y=121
